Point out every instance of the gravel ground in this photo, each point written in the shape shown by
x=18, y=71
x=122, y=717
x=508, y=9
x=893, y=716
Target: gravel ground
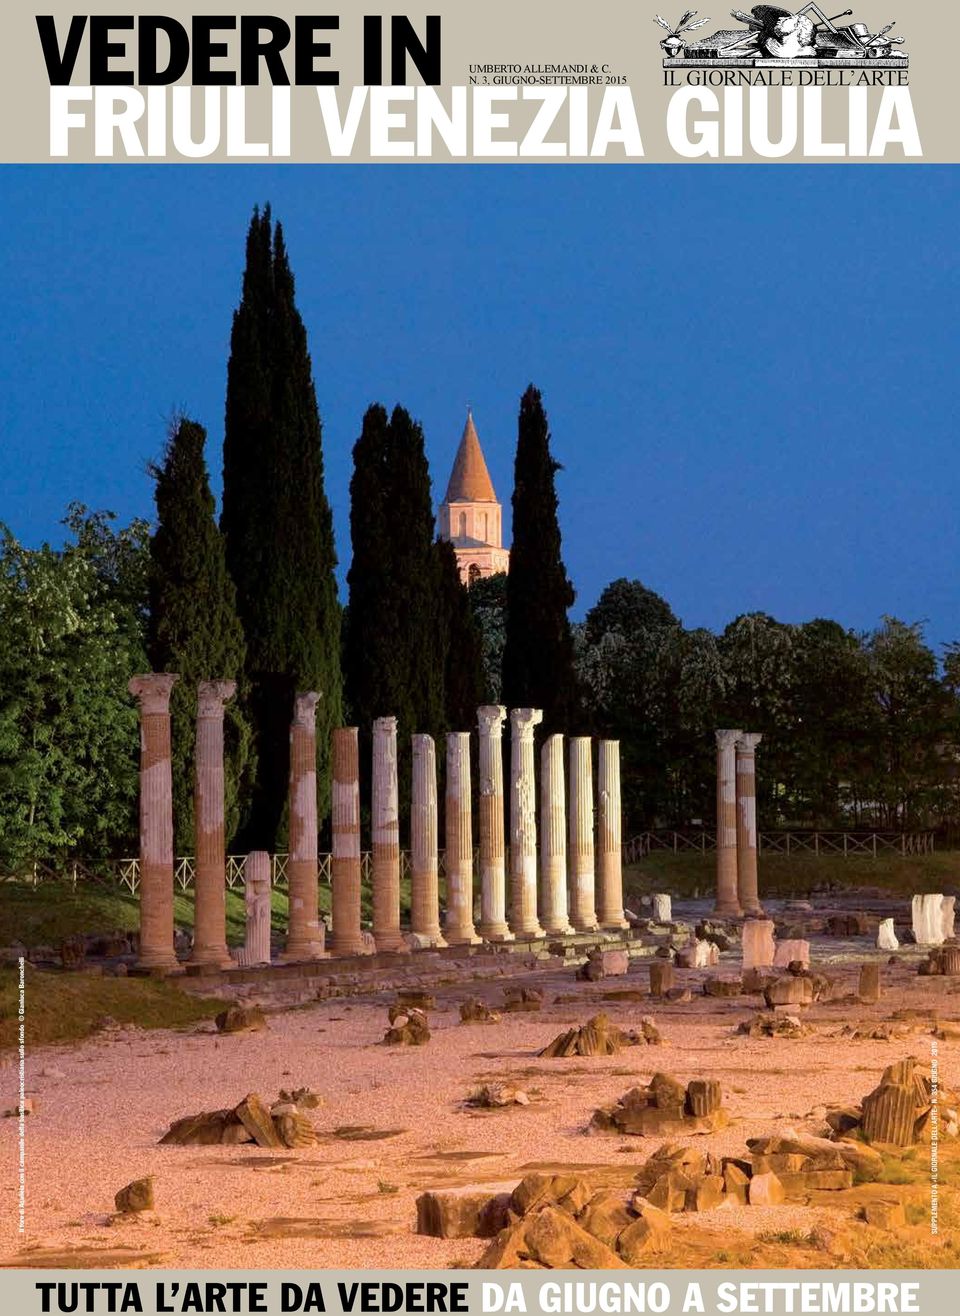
x=104, y=1104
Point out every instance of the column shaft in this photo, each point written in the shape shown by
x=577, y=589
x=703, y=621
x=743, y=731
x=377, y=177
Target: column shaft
x=582, y=872
x=727, y=903
x=553, y=839
x=347, y=936
x=523, y=825
x=152, y=690
x=385, y=820
x=210, y=878
x=493, y=875
x=459, y=927
x=748, y=892
x=256, y=899
x=424, y=883
x=304, y=938
x=609, y=837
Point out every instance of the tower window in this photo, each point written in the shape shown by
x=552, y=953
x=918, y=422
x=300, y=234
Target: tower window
x=462, y=521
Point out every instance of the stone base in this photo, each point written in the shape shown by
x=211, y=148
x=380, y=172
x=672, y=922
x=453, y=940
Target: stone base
x=614, y=924
x=528, y=934
x=495, y=932
x=727, y=911
x=391, y=941
x=217, y=958
x=463, y=937
x=299, y=954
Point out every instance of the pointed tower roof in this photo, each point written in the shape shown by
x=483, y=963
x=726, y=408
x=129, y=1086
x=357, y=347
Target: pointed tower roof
x=470, y=480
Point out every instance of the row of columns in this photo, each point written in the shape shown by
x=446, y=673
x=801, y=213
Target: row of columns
x=542, y=897
x=737, y=881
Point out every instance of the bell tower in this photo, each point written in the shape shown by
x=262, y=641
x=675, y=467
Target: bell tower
x=470, y=515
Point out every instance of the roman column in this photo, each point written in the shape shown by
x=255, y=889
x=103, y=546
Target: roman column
x=553, y=839
x=523, y=825
x=152, y=691
x=459, y=927
x=425, y=890
x=304, y=938
x=727, y=903
x=583, y=912
x=609, y=838
x=210, y=878
x=345, y=862
x=256, y=900
x=493, y=873
x=747, y=888
x=385, y=821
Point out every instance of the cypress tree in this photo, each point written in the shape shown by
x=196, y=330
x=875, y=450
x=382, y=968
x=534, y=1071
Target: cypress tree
x=278, y=525
x=193, y=626
x=464, y=681
x=390, y=655
x=538, y=669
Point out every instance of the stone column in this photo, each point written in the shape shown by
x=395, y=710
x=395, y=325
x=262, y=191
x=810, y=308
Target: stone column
x=347, y=938
x=210, y=879
x=385, y=821
x=459, y=927
x=523, y=825
x=553, y=839
x=582, y=878
x=747, y=888
x=256, y=900
x=609, y=837
x=152, y=690
x=727, y=903
x=425, y=890
x=304, y=938
x=493, y=873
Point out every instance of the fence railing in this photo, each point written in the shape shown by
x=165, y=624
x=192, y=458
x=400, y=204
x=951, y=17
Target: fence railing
x=793, y=842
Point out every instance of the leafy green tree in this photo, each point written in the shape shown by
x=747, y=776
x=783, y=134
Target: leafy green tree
x=629, y=607
x=277, y=525
x=488, y=603
x=538, y=666
x=193, y=624
x=70, y=639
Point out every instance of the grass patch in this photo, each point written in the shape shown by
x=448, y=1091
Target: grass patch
x=790, y=1237
x=63, y=1007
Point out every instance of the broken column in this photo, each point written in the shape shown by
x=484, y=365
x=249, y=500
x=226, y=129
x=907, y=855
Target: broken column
x=152, y=691
x=256, y=900
x=493, y=876
x=385, y=826
x=583, y=913
x=458, y=928
x=305, y=941
x=345, y=862
x=609, y=841
x=210, y=879
x=758, y=944
x=746, y=778
x=928, y=920
x=727, y=903
x=523, y=824
x=553, y=839
x=886, y=935
x=662, y=907
x=868, y=988
x=424, y=883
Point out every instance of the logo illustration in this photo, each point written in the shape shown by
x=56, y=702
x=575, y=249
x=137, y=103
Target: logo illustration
x=776, y=37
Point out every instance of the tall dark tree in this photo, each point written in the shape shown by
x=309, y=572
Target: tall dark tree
x=193, y=627
x=277, y=524
x=463, y=676
x=390, y=661
x=488, y=603
x=538, y=666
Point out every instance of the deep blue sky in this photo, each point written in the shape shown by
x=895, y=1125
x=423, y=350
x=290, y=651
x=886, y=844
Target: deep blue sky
x=750, y=372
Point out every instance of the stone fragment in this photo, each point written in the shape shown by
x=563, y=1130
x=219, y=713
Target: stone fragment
x=205, y=1130
x=765, y=1190
x=605, y=1216
x=257, y=1120
x=886, y=936
x=889, y=1113
x=950, y=961
x=706, y=1193
x=548, y=1239
x=758, y=943
x=670, y=1191
x=649, y=1234
x=662, y=978
x=650, y=1032
x=241, y=1019
x=522, y=1000
x=135, y=1196
x=717, y=985
x=293, y=1128
x=494, y=1095
x=703, y=1096
x=948, y=917
x=409, y=1029
x=868, y=988
x=476, y=1012
x=662, y=908
x=789, y=991
x=885, y=1215
x=597, y=1037
x=736, y=1182
x=604, y=964
x=790, y=951
x=467, y=1212
x=927, y=915
x=569, y=1192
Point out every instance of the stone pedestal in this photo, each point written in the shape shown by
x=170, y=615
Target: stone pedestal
x=583, y=912
x=553, y=839
x=493, y=873
x=458, y=928
x=424, y=883
x=347, y=937
x=210, y=880
x=662, y=907
x=609, y=838
x=927, y=913
x=152, y=690
x=869, y=988
x=727, y=902
x=256, y=899
x=305, y=941
x=758, y=946
x=795, y=951
x=886, y=935
x=523, y=825
x=385, y=820
x=747, y=884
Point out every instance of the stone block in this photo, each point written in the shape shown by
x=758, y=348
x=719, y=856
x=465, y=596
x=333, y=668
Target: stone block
x=869, y=986
x=758, y=944
x=927, y=914
x=886, y=936
x=792, y=951
x=889, y=1113
x=789, y=990
x=765, y=1190
x=467, y=1212
x=662, y=908
x=662, y=977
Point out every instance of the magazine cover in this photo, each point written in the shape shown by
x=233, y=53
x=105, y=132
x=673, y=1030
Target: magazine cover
x=479, y=659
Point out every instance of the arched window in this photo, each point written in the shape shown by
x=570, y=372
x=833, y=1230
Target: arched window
x=473, y=573
x=462, y=532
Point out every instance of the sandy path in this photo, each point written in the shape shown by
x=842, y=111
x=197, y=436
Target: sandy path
x=98, y=1124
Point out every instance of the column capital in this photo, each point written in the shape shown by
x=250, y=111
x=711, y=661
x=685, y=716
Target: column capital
x=212, y=695
x=422, y=743
x=748, y=741
x=490, y=718
x=605, y=741
x=385, y=726
x=523, y=720
x=152, y=689
x=727, y=739
x=305, y=709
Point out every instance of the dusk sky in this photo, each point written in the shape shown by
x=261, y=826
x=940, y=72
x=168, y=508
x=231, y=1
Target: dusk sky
x=750, y=372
